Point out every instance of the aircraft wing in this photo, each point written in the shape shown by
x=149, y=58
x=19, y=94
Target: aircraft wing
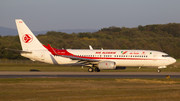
x=81, y=60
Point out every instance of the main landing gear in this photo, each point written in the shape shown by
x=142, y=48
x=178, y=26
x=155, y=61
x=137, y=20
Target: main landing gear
x=90, y=69
x=159, y=71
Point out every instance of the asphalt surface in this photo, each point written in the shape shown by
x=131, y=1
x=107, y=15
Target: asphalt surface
x=38, y=74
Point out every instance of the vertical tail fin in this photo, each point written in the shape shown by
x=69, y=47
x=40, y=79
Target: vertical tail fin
x=27, y=38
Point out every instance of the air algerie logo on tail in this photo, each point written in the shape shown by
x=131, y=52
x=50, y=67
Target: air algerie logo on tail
x=27, y=38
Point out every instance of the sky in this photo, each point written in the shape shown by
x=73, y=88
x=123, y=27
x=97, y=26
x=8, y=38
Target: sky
x=42, y=15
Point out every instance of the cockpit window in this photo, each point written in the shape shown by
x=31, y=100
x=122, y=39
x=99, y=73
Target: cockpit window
x=165, y=56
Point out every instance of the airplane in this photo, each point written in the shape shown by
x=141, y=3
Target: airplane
x=95, y=59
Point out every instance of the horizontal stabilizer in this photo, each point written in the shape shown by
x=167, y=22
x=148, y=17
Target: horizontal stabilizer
x=20, y=51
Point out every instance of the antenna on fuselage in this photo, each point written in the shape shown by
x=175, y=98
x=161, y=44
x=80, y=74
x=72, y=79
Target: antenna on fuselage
x=101, y=48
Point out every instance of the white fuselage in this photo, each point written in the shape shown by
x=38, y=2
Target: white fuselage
x=124, y=58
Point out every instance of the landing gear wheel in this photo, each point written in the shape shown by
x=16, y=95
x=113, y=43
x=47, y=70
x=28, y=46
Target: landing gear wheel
x=97, y=69
x=159, y=71
x=90, y=69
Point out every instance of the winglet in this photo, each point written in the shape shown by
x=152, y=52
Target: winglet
x=90, y=47
x=53, y=52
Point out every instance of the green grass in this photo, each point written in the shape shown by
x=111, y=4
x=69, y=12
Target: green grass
x=89, y=89
x=86, y=89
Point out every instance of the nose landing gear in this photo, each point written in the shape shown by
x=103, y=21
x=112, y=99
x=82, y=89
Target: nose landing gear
x=159, y=71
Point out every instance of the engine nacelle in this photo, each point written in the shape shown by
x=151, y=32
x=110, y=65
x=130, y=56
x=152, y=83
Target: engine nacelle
x=107, y=65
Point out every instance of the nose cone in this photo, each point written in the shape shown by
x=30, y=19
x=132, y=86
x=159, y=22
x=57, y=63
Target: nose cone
x=172, y=60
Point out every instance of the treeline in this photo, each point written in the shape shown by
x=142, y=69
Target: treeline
x=164, y=38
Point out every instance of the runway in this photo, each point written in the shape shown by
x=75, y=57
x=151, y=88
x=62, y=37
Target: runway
x=37, y=74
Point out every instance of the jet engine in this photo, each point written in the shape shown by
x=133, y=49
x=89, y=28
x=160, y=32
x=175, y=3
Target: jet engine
x=109, y=65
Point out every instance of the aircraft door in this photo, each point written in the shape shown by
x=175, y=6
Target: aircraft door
x=155, y=56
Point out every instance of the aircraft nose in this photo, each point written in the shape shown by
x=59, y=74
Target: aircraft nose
x=172, y=60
